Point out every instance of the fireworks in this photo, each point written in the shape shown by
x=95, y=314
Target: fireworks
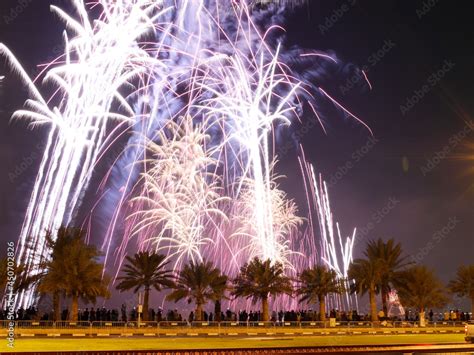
x=180, y=197
x=202, y=91
x=337, y=255
x=335, y=251
x=236, y=86
x=270, y=239
x=100, y=61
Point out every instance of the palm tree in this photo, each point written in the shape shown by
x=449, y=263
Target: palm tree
x=259, y=280
x=366, y=276
x=72, y=270
x=23, y=277
x=145, y=270
x=463, y=284
x=198, y=283
x=84, y=281
x=219, y=286
x=389, y=258
x=83, y=275
x=419, y=287
x=316, y=284
x=52, y=279
x=49, y=283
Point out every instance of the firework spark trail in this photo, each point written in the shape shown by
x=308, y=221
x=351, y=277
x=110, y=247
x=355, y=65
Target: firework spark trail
x=251, y=106
x=337, y=255
x=100, y=59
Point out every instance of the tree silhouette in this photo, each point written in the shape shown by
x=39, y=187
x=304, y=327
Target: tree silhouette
x=463, y=284
x=145, y=270
x=72, y=270
x=419, y=287
x=260, y=279
x=199, y=283
x=366, y=274
x=388, y=256
x=316, y=284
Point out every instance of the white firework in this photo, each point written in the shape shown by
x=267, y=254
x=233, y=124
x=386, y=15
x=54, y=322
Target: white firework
x=181, y=195
x=336, y=250
x=282, y=215
x=101, y=61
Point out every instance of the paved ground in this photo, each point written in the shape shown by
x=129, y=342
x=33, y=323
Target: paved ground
x=169, y=343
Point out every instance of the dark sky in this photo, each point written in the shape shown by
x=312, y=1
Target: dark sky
x=392, y=185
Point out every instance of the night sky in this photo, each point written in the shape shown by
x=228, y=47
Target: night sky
x=409, y=181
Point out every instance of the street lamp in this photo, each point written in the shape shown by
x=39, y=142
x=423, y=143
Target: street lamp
x=140, y=308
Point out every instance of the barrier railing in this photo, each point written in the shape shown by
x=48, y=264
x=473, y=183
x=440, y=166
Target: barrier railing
x=446, y=323
x=142, y=324
x=34, y=324
x=71, y=324
x=21, y=324
x=360, y=324
x=173, y=324
x=5, y=323
x=107, y=324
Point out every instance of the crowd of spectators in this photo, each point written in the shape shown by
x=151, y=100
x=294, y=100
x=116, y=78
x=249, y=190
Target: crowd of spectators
x=30, y=313
x=159, y=315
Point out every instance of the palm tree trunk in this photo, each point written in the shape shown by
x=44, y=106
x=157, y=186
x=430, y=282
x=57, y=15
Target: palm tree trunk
x=145, y=304
x=74, y=306
x=198, y=312
x=265, y=309
x=422, y=317
x=217, y=311
x=384, y=301
x=56, y=306
x=373, y=304
x=322, y=308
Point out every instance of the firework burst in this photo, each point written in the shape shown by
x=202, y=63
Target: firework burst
x=203, y=91
x=181, y=196
x=280, y=220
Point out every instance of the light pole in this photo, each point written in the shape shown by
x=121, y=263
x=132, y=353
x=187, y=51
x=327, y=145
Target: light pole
x=139, y=308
